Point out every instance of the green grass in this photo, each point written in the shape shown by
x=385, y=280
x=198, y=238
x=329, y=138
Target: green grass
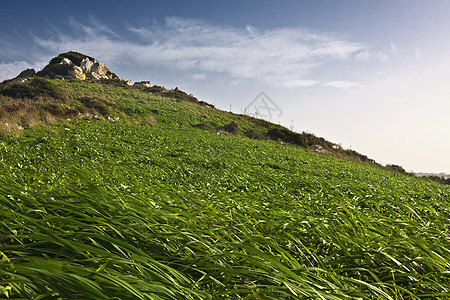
x=96, y=210
x=42, y=101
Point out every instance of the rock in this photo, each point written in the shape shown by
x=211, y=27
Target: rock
x=81, y=67
x=317, y=149
x=27, y=73
x=113, y=120
x=145, y=84
x=77, y=72
x=99, y=70
x=66, y=61
x=18, y=79
x=86, y=64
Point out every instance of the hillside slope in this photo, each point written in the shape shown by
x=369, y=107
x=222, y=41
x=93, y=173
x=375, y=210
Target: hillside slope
x=56, y=93
x=146, y=195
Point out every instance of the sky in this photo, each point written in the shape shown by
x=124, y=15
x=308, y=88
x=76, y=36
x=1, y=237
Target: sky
x=373, y=76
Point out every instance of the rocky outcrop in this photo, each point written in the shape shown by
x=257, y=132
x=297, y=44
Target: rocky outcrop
x=95, y=69
x=77, y=72
x=144, y=84
x=318, y=149
x=23, y=76
x=81, y=67
x=27, y=73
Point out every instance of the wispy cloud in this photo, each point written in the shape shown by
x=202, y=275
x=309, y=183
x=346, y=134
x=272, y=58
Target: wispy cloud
x=363, y=55
x=342, y=84
x=285, y=57
x=383, y=57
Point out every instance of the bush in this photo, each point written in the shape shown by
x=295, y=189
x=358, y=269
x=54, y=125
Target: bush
x=55, y=70
x=288, y=136
x=231, y=128
x=98, y=105
x=31, y=89
x=396, y=168
x=12, y=107
x=204, y=126
x=254, y=134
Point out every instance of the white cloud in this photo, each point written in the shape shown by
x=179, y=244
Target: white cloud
x=199, y=76
x=286, y=57
x=299, y=83
x=363, y=55
x=383, y=57
x=342, y=84
x=394, y=47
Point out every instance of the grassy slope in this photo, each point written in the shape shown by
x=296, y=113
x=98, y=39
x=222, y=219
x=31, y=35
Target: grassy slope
x=41, y=101
x=92, y=209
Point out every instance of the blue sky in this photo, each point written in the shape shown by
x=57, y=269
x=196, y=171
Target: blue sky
x=372, y=75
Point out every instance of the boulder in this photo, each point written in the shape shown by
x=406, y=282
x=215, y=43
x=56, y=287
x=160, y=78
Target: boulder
x=145, y=84
x=99, y=70
x=27, y=73
x=78, y=73
x=66, y=61
x=81, y=67
x=86, y=64
x=317, y=149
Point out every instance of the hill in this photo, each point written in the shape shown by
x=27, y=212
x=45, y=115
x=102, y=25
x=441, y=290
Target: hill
x=86, y=88
x=111, y=191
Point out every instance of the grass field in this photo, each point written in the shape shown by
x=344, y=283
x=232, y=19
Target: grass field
x=126, y=210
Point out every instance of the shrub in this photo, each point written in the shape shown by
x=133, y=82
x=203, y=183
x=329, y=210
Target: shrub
x=204, y=126
x=98, y=105
x=396, y=168
x=53, y=108
x=254, y=134
x=12, y=107
x=288, y=136
x=55, y=70
x=31, y=89
x=231, y=128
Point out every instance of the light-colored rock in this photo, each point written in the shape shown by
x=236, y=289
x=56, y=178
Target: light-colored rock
x=317, y=149
x=19, y=79
x=65, y=61
x=86, y=64
x=113, y=120
x=94, y=68
x=99, y=68
x=78, y=73
x=145, y=84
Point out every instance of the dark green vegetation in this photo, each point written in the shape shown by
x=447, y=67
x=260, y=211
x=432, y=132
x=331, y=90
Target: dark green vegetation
x=137, y=197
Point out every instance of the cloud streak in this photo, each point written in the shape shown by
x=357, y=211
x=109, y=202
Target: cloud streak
x=286, y=57
x=342, y=84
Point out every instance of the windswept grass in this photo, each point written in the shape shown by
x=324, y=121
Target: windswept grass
x=95, y=210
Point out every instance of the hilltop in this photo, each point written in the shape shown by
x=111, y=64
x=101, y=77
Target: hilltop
x=117, y=191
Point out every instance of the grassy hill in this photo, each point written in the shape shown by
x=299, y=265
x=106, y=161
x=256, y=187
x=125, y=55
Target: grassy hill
x=116, y=192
